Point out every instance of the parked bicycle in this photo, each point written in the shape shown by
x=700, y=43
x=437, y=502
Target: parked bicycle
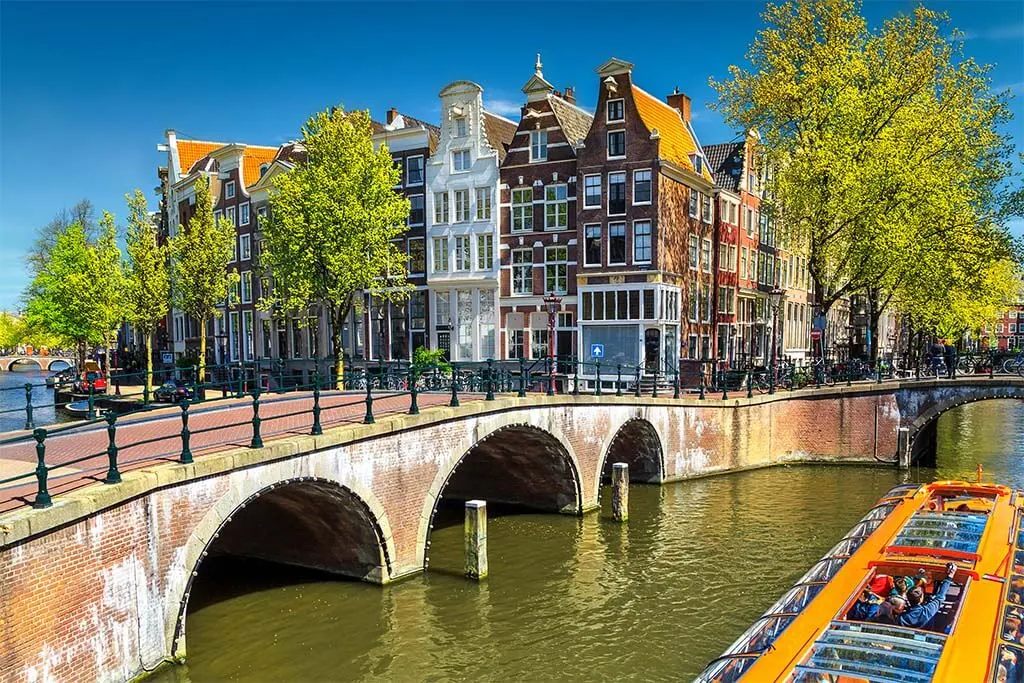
x=1015, y=365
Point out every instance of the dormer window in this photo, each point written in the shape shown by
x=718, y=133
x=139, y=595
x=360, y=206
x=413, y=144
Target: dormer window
x=263, y=169
x=616, y=110
x=229, y=189
x=460, y=127
x=538, y=145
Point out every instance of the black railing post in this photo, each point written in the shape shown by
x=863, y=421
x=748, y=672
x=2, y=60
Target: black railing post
x=92, y=401
x=725, y=384
x=117, y=385
x=991, y=365
x=195, y=383
x=636, y=382
x=575, y=376
x=257, y=438
x=186, y=452
x=414, y=406
x=489, y=396
x=42, y=495
x=675, y=392
x=549, y=370
x=597, y=386
x=700, y=386
x=878, y=370
x=750, y=383
x=522, y=376
x=654, y=391
x=29, y=422
x=317, y=430
x=618, y=379
x=848, y=373
x=113, y=475
x=454, y=402
x=368, y=418
x=280, y=375
x=771, y=375
x=241, y=381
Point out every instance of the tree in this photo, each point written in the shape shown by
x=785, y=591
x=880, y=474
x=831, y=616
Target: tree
x=328, y=234
x=11, y=331
x=147, y=282
x=883, y=144
x=200, y=254
x=81, y=213
x=63, y=294
x=109, y=305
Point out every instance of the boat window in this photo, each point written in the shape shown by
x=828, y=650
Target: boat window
x=871, y=652
x=726, y=670
x=845, y=547
x=1013, y=624
x=863, y=529
x=795, y=599
x=823, y=571
x=902, y=490
x=1009, y=666
x=759, y=636
x=878, y=512
x=948, y=530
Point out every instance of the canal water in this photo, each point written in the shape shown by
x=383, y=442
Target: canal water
x=12, y=400
x=571, y=599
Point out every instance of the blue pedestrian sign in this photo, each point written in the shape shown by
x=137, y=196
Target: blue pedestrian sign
x=597, y=350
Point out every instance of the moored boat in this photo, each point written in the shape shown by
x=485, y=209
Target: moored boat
x=928, y=586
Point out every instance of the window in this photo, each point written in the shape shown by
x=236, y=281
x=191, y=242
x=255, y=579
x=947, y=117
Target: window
x=539, y=343
x=706, y=205
x=417, y=257
x=694, y=203
x=642, y=187
x=723, y=257
x=235, y=337
x=440, y=254
x=460, y=160
x=418, y=312
x=522, y=210
x=522, y=271
x=244, y=247
x=515, y=344
x=616, y=110
x=743, y=262
x=592, y=245
x=617, y=193
x=440, y=207
x=229, y=189
x=461, y=206
x=592, y=192
x=247, y=287
x=267, y=337
x=642, y=242
x=261, y=211
x=414, y=171
x=416, y=210
x=483, y=203
x=616, y=143
x=538, y=145
x=485, y=252
x=556, y=270
x=556, y=207
x=462, y=253
x=694, y=251
x=229, y=213
x=243, y=216
x=725, y=300
x=461, y=129
x=616, y=244
x=705, y=255
x=750, y=222
x=233, y=293
x=732, y=258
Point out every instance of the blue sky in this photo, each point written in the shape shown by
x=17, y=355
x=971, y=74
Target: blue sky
x=87, y=89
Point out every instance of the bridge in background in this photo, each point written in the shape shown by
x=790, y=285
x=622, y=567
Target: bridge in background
x=359, y=499
x=48, y=363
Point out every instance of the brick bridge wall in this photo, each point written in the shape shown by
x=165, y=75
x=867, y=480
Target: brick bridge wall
x=96, y=587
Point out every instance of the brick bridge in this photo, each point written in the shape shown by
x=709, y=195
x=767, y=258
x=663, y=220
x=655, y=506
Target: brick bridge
x=48, y=363
x=97, y=586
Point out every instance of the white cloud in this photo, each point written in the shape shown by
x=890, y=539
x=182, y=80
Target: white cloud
x=1007, y=32
x=503, y=107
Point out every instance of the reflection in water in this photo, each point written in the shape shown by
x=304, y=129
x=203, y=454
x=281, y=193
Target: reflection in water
x=571, y=598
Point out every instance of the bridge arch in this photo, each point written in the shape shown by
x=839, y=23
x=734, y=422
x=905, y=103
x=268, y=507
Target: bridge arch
x=23, y=361
x=922, y=425
x=306, y=521
x=638, y=443
x=58, y=364
x=508, y=461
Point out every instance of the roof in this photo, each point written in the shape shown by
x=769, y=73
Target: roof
x=499, y=132
x=433, y=131
x=252, y=159
x=726, y=162
x=575, y=122
x=677, y=141
x=191, y=151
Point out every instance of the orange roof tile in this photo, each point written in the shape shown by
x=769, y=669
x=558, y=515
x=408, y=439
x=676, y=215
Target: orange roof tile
x=252, y=159
x=677, y=144
x=191, y=151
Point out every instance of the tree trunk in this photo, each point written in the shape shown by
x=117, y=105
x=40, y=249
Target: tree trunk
x=80, y=352
x=201, y=365
x=148, y=379
x=336, y=347
x=106, y=362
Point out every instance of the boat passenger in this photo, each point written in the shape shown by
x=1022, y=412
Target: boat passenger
x=921, y=611
x=866, y=607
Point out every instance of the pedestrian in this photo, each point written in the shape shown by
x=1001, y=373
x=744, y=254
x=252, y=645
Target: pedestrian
x=949, y=355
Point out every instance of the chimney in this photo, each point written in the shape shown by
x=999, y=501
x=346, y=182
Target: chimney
x=570, y=94
x=392, y=115
x=678, y=100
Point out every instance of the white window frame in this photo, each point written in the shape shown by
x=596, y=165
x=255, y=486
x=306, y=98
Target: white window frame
x=625, y=250
x=458, y=154
x=246, y=277
x=484, y=251
x=608, y=141
x=441, y=209
x=460, y=122
x=517, y=269
x=439, y=257
x=229, y=189
x=482, y=197
x=607, y=110
x=538, y=145
x=463, y=261
x=409, y=254
x=693, y=204
x=525, y=210
x=650, y=186
x=423, y=171
x=692, y=254
x=608, y=203
x=564, y=203
x=559, y=263
x=600, y=239
x=243, y=214
x=600, y=191
x=707, y=256
x=245, y=247
x=461, y=212
x=232, y=216
x=650, y=244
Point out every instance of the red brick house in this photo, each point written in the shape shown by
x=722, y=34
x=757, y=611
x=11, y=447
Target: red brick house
x=645, y=283
x=539, y=193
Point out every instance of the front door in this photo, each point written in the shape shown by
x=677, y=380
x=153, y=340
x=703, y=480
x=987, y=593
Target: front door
x=652, y=350
x=564, y=350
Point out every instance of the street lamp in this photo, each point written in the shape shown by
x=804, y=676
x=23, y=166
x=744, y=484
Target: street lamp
x=849, y=341
x=552, y=303
x=775, y=298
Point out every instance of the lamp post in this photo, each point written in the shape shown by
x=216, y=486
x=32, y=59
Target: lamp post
x=552, y=303
x=775, y=297
x=732, y=343
x=849, y=341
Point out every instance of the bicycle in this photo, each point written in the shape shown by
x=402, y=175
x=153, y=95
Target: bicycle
x=1015, y=365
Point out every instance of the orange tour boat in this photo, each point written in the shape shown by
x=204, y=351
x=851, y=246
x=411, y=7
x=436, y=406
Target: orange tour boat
x=928, y=586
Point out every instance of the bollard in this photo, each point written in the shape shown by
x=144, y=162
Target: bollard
x=597, y=386
x=113, y=475
x=186, y=452
x=117, y=385
x=489, y=396
x=42, y=495
x=700, y=368
x=476, y=539
x=675, y=393
x=454, y=402
x=29, y=422
x=92, y=402
x=522, y=377
x=618, y=379
x=257, y=439
x=368, y=418
x=575, y=376
x=620, y=491
x=414, y=406
x=317, y=430
x=903, y=448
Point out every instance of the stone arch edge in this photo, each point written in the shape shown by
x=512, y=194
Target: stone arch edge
x=936, y=411
x=638, y=413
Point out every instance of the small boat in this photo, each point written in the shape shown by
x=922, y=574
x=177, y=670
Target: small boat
x=81, y=409
x=957, y=547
